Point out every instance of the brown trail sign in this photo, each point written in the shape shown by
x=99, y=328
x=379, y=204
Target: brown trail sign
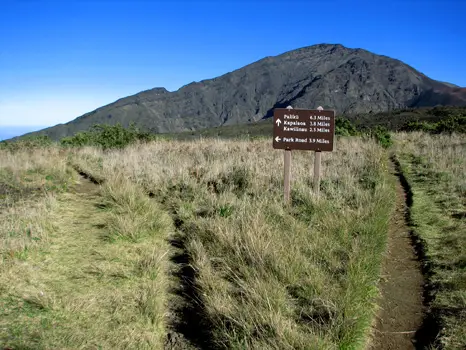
x=303, y=129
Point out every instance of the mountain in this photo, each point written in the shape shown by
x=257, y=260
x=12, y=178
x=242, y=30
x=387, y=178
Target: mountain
x=348, y=80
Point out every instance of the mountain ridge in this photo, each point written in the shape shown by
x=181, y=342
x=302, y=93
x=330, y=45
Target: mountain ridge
x=351, y=81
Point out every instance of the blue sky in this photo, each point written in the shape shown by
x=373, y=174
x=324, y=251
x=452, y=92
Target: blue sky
x=60, y=59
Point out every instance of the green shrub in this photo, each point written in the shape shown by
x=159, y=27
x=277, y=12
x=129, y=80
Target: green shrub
x=419, y=126
x=456, y=123
x=344, y=127
x=107, y=136
x=382, y=135
x=453, y=123
x=27, y=142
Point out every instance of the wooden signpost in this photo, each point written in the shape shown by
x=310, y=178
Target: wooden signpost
x=303, y=129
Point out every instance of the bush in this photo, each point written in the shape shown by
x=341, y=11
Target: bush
x=27, y=142
x=454, y=123
x=419, y=126
x=344, y=127
x=107, y=136
x=382, y=135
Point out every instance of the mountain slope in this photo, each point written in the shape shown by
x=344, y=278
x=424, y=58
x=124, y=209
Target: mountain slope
x=347, y=80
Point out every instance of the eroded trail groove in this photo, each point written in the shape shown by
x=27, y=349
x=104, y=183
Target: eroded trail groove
x=402, y=284
x=190, y=325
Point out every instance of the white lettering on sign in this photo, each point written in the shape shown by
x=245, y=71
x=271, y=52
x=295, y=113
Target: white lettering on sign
x=319, y=117
x=285, y=128
x=319, y=124
x=311, y=140
x=291, y=123
x=319, y=130
x=294, y=139
x=323, y=124
x=291, y=116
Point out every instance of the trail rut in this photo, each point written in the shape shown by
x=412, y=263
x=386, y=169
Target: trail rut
x=402, y=285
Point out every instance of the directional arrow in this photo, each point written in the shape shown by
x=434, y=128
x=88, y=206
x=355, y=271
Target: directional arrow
x=320, y=108
x=277, y=139
x=278, y=121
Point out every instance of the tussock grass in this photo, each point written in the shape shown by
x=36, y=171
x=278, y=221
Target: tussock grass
x=25, y=173
x=29, y=183
x=96, y=273
x=271, y=277
x=24, y=226
x=435, y=167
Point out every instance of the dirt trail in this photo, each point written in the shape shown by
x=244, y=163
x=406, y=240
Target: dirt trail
x=401, y=302
x=190, y=323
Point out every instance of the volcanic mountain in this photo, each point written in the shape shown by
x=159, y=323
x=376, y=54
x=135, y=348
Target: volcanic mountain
x=348, y=80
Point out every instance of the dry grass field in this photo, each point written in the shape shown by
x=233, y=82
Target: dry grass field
x=187, y=244
x=262, y=275
x=82, y=266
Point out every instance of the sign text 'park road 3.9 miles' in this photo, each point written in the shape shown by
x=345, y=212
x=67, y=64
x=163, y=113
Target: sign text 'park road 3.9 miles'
x=303, y=129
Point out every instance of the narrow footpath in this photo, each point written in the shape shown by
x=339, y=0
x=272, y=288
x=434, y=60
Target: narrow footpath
x=401, y=301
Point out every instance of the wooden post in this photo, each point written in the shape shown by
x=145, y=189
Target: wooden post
x=287, y=176
x=317, y=160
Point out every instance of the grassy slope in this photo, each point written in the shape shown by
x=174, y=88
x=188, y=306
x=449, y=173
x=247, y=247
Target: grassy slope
x=435, y=167
x=270, y=277
x=80, y=267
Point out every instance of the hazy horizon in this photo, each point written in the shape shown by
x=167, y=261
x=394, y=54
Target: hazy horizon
x=8, y=132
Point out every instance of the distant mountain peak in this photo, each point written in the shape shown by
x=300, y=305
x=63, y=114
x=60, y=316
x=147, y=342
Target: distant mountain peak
x=159, y=90
x=348, y=80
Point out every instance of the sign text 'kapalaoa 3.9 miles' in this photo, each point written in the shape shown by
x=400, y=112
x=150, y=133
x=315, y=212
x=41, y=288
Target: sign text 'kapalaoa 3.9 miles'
x=303, y=129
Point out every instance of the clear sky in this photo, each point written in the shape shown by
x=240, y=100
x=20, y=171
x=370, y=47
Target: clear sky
x=61, y=59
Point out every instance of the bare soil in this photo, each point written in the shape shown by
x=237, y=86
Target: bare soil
x=402, y=285
x=86, y=186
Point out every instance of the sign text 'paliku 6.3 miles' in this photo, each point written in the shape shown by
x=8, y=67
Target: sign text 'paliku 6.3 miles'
x=303, y=129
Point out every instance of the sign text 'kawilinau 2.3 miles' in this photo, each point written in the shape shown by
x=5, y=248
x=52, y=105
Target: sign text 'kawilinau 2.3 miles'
x=303, y=129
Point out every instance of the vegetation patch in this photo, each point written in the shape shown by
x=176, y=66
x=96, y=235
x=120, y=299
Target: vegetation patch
x=84, y=268
x=189, y=241
x=107, y=136
x=451, y=124
x=27, y=143
x=256, y=274
x=28, y=173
